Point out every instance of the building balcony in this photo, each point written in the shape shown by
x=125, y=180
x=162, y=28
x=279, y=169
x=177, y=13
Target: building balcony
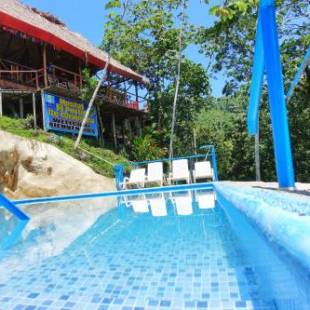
x=14, y=76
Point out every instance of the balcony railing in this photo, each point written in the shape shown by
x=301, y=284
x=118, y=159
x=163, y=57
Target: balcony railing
x=66, y=80
x=124, y=99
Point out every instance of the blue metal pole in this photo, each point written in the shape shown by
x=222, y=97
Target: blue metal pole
x=119, y=176
x=280, y=129
x=298, y=74
x=257, y=82
x=214, y=164
x=23, y=220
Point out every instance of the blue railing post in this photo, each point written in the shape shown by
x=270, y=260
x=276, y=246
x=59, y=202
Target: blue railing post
x=119, y=175
x=214, y=164
x=257, y=81
x=280, y=129
x=23, y=220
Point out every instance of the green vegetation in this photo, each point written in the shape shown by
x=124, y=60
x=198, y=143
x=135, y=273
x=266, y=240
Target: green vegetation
x=94, y=156
x=145, y=37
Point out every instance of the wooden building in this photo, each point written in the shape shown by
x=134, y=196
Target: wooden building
x=41, y=64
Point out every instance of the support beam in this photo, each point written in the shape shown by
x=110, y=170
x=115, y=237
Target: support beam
x=43, y=110
x=1, y=104
x=114, y=130
x=128, y=129
x=101, y=127
x=45, y=65
x=21, y=107
x=34, y=109
x=138, y=126
x=137, y=92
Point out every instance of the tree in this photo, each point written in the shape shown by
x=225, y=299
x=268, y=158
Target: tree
x=229, y=43
x=146, y=39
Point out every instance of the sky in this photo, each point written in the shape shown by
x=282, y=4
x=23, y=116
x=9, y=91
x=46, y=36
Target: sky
x=88, y=17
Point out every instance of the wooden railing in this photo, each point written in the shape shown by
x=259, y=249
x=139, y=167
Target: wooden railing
x=36, y=78
x=60, y=78
x=117, y=97
x=19, y=74
x=63, y=78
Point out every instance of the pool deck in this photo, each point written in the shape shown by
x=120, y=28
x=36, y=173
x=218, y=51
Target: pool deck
x=300, y=189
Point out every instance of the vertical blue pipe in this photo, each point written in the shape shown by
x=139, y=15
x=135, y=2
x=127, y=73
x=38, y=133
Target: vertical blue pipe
x=257, y=81
x=119, y=176
x=214, y=164
x=280, y=129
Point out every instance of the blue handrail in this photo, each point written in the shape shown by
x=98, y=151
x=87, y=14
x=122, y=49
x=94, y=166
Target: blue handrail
x=23, y=220
x=298, y=74
x=131, y=192
x=267, y=57
x=119, y=168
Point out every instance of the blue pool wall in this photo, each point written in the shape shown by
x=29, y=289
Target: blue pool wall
x=284, y=217
x=272, y=255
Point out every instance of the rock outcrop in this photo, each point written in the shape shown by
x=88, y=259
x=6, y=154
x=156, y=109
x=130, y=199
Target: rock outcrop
x=30, y=168
x=33, y=169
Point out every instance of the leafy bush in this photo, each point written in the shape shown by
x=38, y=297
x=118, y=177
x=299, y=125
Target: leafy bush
x=28, y=122
x=145, y=148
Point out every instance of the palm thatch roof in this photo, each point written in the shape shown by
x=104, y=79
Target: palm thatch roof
x=48, y=28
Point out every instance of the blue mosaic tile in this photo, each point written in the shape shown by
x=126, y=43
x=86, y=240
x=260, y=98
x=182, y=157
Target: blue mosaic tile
x=125, y=269
x=33, y=295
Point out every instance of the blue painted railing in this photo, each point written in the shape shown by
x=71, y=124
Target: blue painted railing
x=298, y=74
x=210, y=152
x=267, y=56
x=22, y=218
x=131, y=192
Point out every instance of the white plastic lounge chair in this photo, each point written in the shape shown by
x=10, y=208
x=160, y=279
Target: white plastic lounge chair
x=155, y=173
x=158, y=205
x=206, y=200
x=139, y=205
x=180, y=171
x=136, y=178
x=202, y=170
x=183, y=204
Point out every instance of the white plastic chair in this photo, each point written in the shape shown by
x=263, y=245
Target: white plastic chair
x=183, y=204
x=136, y=178
x=139, y=205
x=180, y=171
x=202, y=170
x=155, y=173
x=158, y=205
x=206, y=200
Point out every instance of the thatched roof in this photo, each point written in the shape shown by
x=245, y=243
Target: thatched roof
x=49, y=29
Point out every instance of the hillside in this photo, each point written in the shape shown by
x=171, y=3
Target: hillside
x=21, y=128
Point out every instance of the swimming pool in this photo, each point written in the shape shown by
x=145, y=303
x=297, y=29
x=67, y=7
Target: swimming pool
x=214, y=258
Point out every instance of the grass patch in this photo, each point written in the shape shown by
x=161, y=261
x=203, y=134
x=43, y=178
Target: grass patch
x=65, y=143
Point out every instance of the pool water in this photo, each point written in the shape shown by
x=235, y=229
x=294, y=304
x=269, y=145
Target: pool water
x=137, y=261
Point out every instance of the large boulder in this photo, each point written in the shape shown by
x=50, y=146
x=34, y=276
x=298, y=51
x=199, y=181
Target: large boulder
x=29, y=169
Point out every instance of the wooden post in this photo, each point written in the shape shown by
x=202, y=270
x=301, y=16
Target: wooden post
x=1, y=104
x=43, y=111
x=101, y=127
x=195, y=141
x=138, y=125
x=127, y=124
x=80, y=74
x=45, y=65
x=34, y=110
x=21, y=107
x=137, y=93
x=114, y=130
